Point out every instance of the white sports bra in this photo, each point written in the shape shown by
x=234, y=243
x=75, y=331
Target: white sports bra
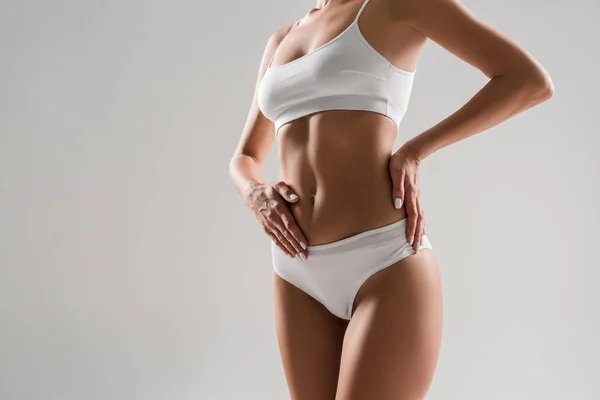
x=346, y=73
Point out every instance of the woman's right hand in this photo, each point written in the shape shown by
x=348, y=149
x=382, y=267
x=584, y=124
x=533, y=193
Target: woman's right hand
x=269, y=203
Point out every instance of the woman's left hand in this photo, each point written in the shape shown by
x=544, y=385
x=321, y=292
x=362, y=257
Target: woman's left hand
x=404, y=171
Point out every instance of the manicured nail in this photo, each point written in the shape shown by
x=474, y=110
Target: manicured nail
x=412, y=239
x=297, y=257
x=397, y=203
x=302, y=257
x=293, y=196
x=303, y=245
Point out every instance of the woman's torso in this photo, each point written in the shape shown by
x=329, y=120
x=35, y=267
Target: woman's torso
x=337, y=161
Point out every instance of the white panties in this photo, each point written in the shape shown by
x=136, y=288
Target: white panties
x=334, y=272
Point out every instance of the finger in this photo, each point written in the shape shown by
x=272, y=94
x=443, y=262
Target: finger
x=280, y=233
x=273, y=237
x=412, y=216
x=274, y=223
x=421, y=213
x=280, y=239
x=419, y=229
x=289, y=222
x=284, y=190
x=289, y=237
x=398, y=189
x=292, y=227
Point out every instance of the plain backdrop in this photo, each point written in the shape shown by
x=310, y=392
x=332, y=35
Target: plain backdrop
x=131, y=269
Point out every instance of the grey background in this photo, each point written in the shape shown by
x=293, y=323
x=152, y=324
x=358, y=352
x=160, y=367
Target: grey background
x=130, y=268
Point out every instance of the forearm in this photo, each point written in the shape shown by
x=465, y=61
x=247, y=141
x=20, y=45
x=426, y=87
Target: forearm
x=501, y=98
x=244, y=171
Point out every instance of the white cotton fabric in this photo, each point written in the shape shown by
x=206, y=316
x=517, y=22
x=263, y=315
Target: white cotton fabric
x=333, y=272
x=346, y=73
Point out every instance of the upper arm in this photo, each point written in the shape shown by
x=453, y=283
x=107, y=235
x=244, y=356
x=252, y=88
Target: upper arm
x=458, y=30
x=258, y=133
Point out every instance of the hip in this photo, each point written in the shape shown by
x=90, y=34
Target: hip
x=334, y=272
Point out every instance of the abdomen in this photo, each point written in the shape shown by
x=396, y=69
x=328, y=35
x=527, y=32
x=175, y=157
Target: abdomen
x=338, y=164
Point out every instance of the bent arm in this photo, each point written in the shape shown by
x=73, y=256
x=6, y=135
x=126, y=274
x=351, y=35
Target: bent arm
x=517, y=81
x=258, y=134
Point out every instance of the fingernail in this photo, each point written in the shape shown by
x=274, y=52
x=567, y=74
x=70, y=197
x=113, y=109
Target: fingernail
x=412, y=239
x=297, y=257
x=293, y=196
x=302, y=257
x=397, y=203
x=303, y=245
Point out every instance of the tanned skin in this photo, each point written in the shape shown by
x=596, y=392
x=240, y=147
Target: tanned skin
x=338, y=177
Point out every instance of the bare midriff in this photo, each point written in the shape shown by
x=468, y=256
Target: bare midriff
x=337, y=162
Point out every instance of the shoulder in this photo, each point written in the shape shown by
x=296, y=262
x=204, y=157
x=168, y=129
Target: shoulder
x=273, y=42
x=279, y=34
x=271, y=46
x=423, y=8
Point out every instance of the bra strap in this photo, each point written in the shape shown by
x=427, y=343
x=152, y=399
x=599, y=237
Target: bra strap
x=360, y=11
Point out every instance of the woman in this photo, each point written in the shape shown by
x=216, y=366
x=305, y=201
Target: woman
x=358, y=302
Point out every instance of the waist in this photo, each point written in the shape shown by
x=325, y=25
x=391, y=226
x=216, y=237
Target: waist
x=338, y=165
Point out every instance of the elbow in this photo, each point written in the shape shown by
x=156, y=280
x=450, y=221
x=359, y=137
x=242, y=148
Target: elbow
x=544, y=90
x=231, y=170
x=540, y=87
x=232, y=167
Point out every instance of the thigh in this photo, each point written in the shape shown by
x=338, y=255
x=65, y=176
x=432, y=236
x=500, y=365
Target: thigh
x=310, y=342
x=392, y=342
